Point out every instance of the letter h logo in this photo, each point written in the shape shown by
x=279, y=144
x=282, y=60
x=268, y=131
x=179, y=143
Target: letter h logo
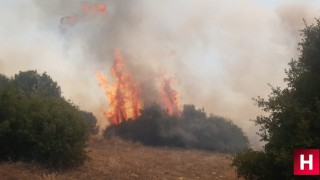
x=306, y=162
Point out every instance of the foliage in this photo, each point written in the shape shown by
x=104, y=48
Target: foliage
x=4, y=81
x=32, y=82
x=37, y=124
x=91, y=120
x=255, y=165
x=193, y=129
x=294, y=115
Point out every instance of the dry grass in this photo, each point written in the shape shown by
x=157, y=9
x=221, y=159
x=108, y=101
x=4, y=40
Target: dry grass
x=116, y=159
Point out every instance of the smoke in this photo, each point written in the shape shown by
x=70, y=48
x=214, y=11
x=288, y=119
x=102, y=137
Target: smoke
x=222, y=52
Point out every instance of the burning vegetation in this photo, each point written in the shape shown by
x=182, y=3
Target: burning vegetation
x=192, y=129
x=163, y=123
x=87, y=9
x=170, y=97
x=125, y=101
x=123, y=94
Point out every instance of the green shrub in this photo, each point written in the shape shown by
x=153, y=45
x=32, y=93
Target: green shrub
x=292, y=118
x=91, y=121
x=255, y=165
x=33, y=83
x=40, y=127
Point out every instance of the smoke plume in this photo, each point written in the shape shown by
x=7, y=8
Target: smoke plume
x=223, y=53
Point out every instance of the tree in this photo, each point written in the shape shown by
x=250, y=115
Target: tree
x=37, y=124
x=32, y=82
x=294, y=115
x=91, y=120
x=3, y=80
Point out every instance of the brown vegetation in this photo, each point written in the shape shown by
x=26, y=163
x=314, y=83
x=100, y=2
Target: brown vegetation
x=116, y=159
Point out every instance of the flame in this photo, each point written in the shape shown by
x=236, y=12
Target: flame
x=101, y=8
x=169, y=97
x=85, y=7
x=103, y=80
x=123, y=94
x=88, y=9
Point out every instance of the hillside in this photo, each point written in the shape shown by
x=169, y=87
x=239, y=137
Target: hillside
x=116, y=159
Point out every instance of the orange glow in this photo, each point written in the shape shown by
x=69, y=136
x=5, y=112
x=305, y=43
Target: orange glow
x=170, y=97
x=103, y=80
x=123, y=94
x=101, y=8
x=85, y=7
x=88, y=9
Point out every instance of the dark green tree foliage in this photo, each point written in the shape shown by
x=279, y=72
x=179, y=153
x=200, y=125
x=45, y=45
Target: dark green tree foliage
x=294, y=116
x=192, y=130
x=91, y=120
x=4, y=81
x=37, y=124
x=33, y=83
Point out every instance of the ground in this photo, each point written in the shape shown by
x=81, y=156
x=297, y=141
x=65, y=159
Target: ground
x=116, y=159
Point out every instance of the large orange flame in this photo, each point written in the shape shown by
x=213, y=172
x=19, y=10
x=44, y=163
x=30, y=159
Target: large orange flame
x=123, y=94
x=170, y=97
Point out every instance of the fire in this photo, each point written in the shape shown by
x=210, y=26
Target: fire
x=123, y=94
x=88, y=9
x=103, y=81
x=169, y=97
x=85, y=7
x=101, y=8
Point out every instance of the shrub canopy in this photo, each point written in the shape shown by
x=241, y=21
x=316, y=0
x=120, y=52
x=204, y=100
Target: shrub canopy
x=37, y=124
x=293, y=120
x=193, y=129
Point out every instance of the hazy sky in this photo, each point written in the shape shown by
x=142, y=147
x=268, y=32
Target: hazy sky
x=222, y=53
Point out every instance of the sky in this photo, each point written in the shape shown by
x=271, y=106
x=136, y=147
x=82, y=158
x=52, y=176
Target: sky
x=221, y=53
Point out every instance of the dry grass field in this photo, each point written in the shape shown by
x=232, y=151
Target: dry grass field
x=116, y=159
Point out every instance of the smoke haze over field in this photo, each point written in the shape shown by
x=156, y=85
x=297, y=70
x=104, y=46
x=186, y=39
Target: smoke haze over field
x=223, y=53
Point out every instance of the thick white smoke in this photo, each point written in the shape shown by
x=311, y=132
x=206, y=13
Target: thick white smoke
x=222, y=52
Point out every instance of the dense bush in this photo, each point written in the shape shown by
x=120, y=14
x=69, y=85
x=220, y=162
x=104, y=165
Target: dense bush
x=293, y=116
x=255, y=165
x=91, y=120
x=193, y=129
x=31, y=82
x=37, y=124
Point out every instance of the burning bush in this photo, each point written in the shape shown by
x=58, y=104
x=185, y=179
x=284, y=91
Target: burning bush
x=190, y=129
x=37, y=124
x=155, y=126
